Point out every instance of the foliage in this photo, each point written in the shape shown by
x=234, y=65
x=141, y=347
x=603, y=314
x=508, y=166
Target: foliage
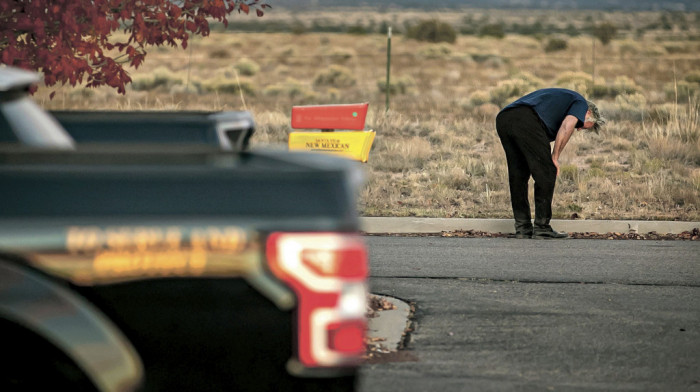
x=228, y=86
x=400, y=85
x=507, y=91
x=605, y=32
x=492, y=30
x=555, y=44
x=335, y=76
x=693, y=77
x=160, y=77
x=247, y=67
x=441, y=51
x=71, y=41
x=432, y=31
x=575, y=80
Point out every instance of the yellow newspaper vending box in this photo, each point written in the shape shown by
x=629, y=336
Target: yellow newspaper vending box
x=352, y=142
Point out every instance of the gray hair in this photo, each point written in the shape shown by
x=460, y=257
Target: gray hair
x=598, y=120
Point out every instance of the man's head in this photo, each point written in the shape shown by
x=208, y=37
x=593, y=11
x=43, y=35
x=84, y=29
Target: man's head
x=594, y=121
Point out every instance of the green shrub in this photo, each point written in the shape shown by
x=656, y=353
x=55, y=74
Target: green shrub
x=400, y=85
x=440, y=51
x=357, y=29
x=335, y=76
x=224, y=85
x=693, y=77
x=555, y=45
x=599, y=90
x=341, y=55
x=530, y=79
x=192, y=88
x=274, y=90
x=574, y=207
x=247, y=67
x=508, y=90
x=630, y=106
x=291, y=88
x=676, y=48
x=298, y=28
x=220, y=54
x=432, y=31
x=624, y=85
x=596, y=172
x=492, y=30
x=630, y=48
x=160, y=77
x=662, y=113
x=479, y=98
x=577, y=81
x=569, y=173
x=682, y=91
x=605, y=32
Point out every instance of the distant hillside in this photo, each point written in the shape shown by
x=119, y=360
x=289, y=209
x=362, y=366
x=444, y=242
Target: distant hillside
x=625, y=5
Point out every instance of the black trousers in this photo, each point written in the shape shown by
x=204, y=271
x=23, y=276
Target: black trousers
x=528, y=153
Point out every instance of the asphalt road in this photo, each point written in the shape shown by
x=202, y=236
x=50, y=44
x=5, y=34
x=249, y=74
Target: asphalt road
x=526, y=315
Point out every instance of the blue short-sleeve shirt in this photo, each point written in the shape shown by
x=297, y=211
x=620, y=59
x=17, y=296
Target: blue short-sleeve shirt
x=552, y=105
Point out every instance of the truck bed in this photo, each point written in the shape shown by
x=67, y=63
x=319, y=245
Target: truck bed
x=218, y=328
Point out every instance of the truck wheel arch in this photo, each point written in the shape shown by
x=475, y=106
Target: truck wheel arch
x=69, y=323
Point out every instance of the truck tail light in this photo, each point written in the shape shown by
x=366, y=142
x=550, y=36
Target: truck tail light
x=347, y=337
x=328, y=273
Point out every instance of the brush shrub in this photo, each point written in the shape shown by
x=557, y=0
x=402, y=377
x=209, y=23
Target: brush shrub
x=492, y=30
x=624, y=85
x=401, y=85
x=441, y=51
x=341, y=55
x=569, y=173
x=507, y=91
x=693, y=77
x=335, y=76
x=479, y=97
x=605, y=32
x=555, y=44
x=681, y=91
x=160, y=77
x=575, y=80
x=247, y=67
x=432, y=31
x=228, y=86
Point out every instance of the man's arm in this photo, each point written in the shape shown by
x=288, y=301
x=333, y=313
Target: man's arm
x=565, y=131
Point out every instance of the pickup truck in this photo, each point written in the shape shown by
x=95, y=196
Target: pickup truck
x=227, y=130
x=157, y=268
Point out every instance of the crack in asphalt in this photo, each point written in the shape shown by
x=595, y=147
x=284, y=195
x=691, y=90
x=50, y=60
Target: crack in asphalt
x=535, y=281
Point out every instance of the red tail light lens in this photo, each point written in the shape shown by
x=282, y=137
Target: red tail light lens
x=344, y=264
x=347, y=337
x=328, y=273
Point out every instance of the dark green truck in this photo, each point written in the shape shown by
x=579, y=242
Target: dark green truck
x=161, y=268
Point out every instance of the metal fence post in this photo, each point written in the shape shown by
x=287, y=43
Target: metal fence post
x=388, y=66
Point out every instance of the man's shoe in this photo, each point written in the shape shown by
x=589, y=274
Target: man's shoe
x=523, y=229
x=548, y=233
x=523, y=234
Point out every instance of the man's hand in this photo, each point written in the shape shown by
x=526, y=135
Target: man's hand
x=563, y=135
x=556, y=164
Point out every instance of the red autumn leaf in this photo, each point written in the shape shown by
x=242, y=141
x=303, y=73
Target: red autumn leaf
x=68, y=42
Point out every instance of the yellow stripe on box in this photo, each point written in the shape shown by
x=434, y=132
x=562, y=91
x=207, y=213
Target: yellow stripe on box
x=351, y=144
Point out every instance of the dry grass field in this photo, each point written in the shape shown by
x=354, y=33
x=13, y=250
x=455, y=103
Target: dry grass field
x=437, y=153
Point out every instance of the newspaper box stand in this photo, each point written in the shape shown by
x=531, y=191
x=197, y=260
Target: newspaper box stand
x=353, y=142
